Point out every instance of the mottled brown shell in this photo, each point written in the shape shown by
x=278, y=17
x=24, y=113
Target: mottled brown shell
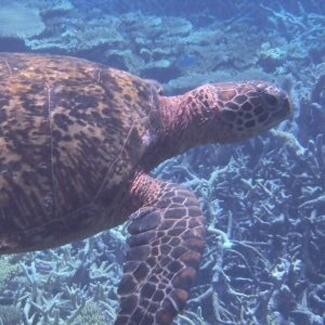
x=71, y=132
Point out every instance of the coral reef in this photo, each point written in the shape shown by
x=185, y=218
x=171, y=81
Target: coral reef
x=266, y=229
x=7, y=270
x=20, y=21
x=264, y=199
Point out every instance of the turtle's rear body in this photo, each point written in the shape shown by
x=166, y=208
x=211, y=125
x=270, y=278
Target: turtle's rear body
x=70, y=135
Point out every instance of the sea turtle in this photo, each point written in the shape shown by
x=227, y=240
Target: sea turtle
x=78, y=140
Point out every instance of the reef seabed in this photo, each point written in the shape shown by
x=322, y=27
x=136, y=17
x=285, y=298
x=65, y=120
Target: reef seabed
x=264, y=199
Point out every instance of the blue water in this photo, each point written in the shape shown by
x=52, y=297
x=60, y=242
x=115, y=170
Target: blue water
x=263, y=199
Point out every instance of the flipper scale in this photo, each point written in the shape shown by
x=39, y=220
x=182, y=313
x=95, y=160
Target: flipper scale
x=166, y=242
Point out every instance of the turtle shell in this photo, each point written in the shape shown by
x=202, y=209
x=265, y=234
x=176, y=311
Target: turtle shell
x=71, y=133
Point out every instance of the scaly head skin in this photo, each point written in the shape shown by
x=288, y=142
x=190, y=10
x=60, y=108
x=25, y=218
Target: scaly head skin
x=246, y=109
x=216, y=113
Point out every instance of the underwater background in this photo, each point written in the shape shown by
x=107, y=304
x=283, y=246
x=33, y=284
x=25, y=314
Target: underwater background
x=264, y=199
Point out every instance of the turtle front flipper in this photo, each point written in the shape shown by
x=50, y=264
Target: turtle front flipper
x=165, y=248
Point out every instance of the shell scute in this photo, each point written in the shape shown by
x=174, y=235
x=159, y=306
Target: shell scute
x=71, y=133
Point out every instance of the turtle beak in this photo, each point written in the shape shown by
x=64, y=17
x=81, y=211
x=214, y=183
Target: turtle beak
x=285, y=105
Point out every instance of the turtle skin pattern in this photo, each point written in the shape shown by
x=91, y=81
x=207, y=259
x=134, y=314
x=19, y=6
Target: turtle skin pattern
x=167, y=238
x=71, y=134
x=72, y=138
x=76, y=143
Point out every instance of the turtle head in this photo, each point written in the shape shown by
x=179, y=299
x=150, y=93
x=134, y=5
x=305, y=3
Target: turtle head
x=212, y=113
x=248, y=108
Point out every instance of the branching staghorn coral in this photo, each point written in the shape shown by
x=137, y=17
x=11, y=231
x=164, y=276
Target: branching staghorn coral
x=264, y=200
x=259, y=246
